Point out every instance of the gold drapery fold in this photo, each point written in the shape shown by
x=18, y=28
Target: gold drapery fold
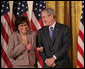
x=76, y=8
x=69, y=13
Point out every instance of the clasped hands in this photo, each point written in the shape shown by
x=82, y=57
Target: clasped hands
x=50, y=62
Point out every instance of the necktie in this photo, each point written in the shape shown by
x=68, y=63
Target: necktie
x=51, y=32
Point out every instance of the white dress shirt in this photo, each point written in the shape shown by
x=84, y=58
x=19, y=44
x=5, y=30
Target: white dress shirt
x=52, y=26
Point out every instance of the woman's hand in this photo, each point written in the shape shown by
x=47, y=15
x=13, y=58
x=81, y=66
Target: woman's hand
x=24, y=40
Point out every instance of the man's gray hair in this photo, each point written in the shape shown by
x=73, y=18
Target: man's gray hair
x=50, y=11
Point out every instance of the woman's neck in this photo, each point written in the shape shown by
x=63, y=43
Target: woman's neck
x=23, y=34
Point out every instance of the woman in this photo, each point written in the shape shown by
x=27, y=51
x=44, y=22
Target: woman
x=22, y=44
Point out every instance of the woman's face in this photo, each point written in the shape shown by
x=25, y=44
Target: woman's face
x=23, y=28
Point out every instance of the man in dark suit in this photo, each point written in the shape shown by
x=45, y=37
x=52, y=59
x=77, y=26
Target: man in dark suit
x=55, y=41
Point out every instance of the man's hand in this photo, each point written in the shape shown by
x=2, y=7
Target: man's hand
x=40, y=49
x=53, y=65
x=49, y=62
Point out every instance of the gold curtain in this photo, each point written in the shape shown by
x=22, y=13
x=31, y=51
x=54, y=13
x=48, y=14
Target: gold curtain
x=69, y=13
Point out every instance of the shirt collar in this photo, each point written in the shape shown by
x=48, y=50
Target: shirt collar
x=52, y=26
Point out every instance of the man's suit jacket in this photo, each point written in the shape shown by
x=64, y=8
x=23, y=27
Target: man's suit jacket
x=58, y=46
x=18, y=53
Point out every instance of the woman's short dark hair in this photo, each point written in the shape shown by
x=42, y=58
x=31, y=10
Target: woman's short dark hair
x=20, y=20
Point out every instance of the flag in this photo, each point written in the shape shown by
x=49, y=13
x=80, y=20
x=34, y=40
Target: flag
x=80, y=53
x=36, y=23
x=6, y=30
x=20, y=8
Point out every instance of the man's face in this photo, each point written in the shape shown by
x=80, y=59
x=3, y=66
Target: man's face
x=46, y=18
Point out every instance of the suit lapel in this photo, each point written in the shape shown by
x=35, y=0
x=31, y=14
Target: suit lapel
x=19, y=37
x=47, y=35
